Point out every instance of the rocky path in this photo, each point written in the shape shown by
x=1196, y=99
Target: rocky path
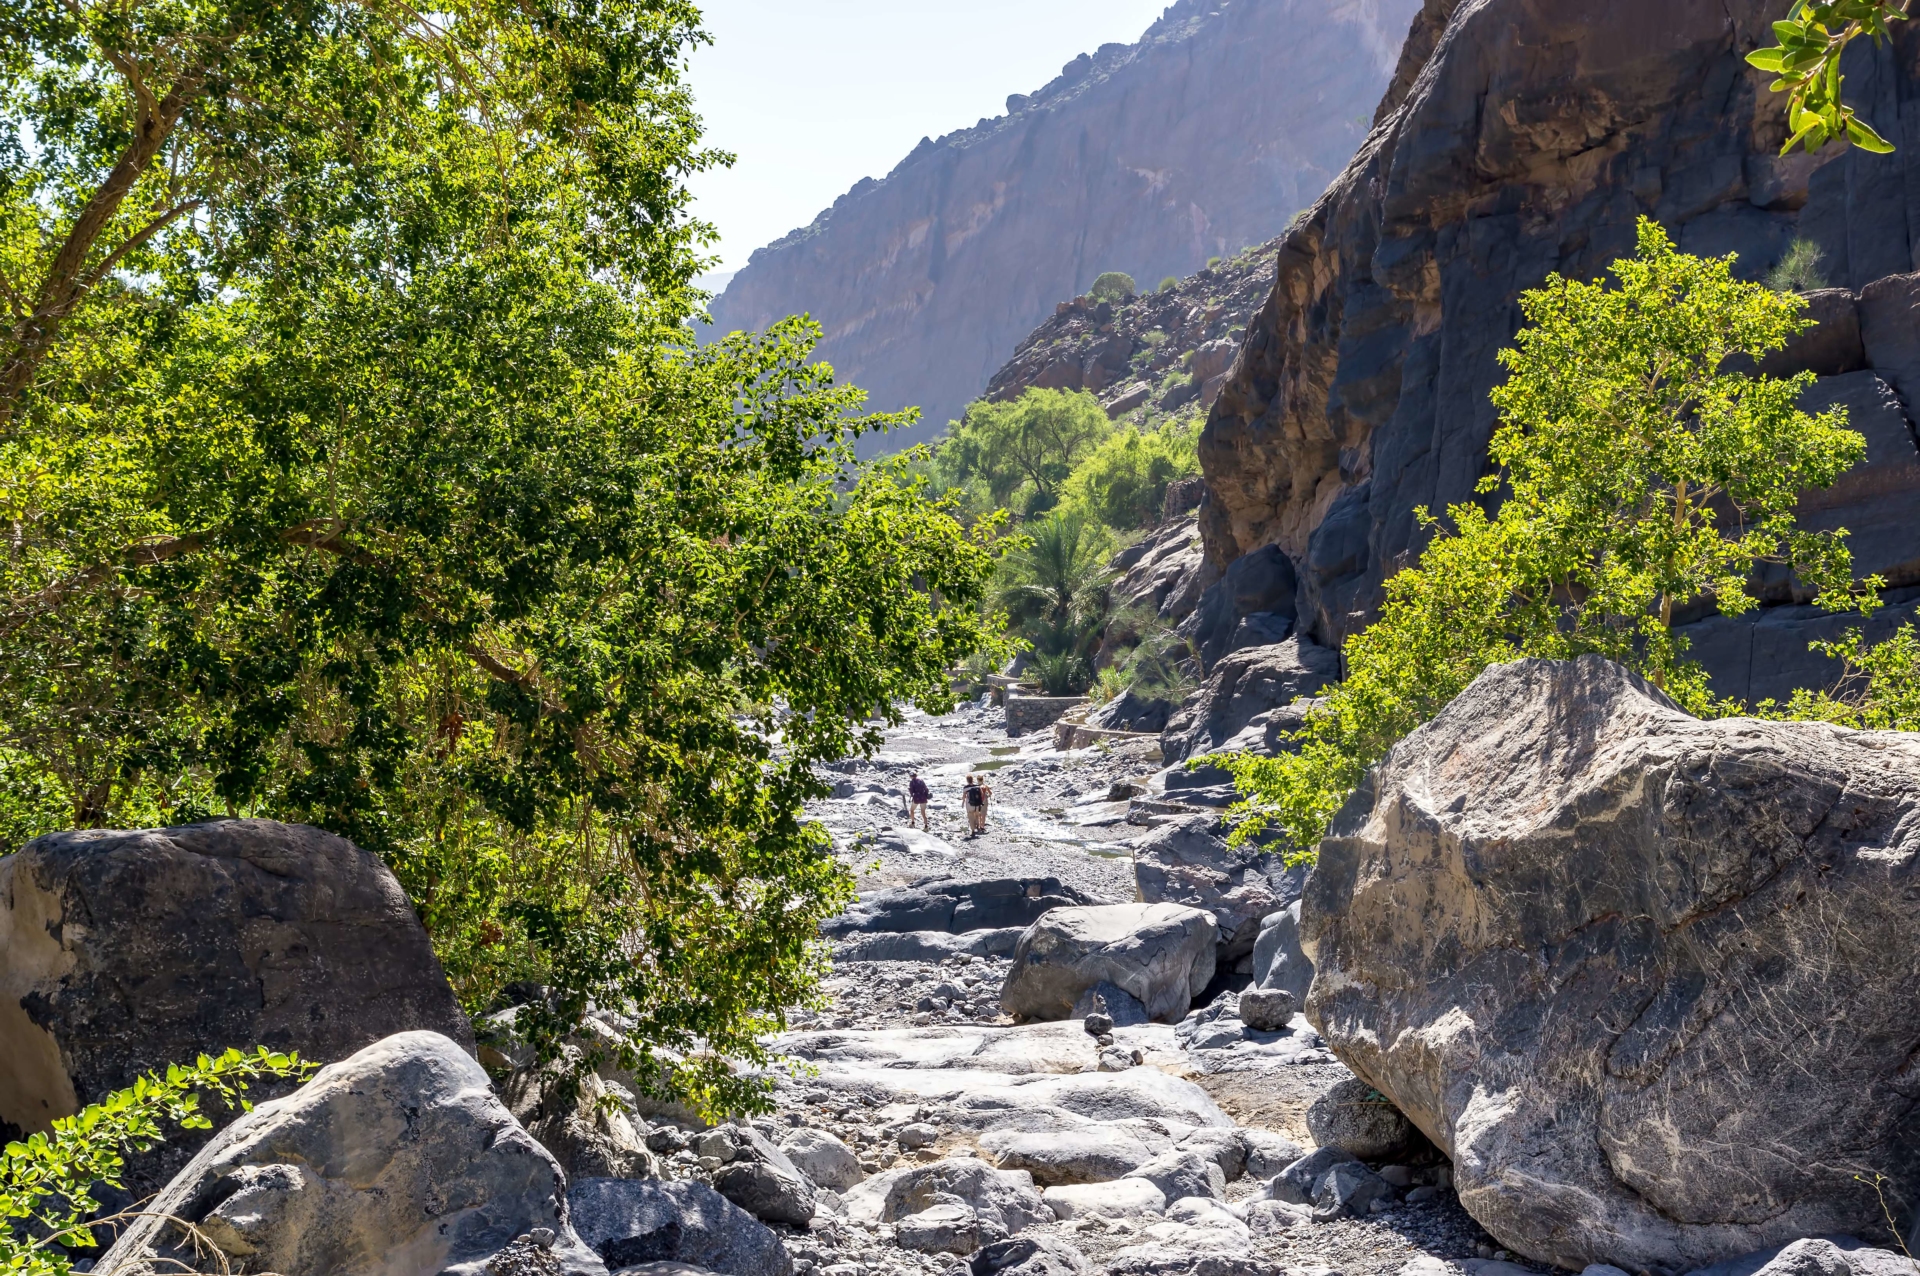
x=949, y=1138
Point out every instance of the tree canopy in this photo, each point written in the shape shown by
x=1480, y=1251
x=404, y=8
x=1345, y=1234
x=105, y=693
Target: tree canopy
x=1638, y=474
x=1023, y=451
x=362, y=469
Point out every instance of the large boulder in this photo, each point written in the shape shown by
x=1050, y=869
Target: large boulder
x=630, y=1222
x=1651, y=982
x=1279, y=962
x=824, y=1159
x=1189, y=862
x=123, y=951
x=1005, y=1198
x=1355, y=1116
x=1161, y=954
x=396, y=1161
x=763, y=1182
x=1243, y=686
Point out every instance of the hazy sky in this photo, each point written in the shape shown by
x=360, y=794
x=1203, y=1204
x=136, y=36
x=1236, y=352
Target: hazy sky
x=813, y=95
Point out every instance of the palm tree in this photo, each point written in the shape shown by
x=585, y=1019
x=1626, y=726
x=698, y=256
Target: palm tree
x=1055, y=590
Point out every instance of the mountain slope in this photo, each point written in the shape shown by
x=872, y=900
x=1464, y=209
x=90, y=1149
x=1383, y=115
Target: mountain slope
x=1224, y=120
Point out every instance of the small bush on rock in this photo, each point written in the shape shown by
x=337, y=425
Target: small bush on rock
x=1115, y=286
x=47, y=1181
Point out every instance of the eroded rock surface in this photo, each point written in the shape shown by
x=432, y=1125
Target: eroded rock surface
x=1521, y=138
x=1650, y=981
x=395, y=1161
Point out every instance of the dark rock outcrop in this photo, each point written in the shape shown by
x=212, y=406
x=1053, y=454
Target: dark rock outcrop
x=1521, y=138
x=121, y=952
x=1189, y=862
x=1248, y=692
x=631, y=1222
x=1200, y=139
x=1649, y=981
x=944, y=904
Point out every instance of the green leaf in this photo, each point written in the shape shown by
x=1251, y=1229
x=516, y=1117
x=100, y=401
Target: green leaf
x=1862, y=135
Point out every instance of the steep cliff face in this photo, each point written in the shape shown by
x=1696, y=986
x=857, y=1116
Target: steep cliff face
x=1524, y=137
x=1223, y=121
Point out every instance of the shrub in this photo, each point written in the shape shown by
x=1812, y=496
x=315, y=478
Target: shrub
x=1169, y=283
x=1021, y=452
x=1799, y=269
x=1620, y=439
x=47, y=1180
x=1212, y=262
x=1112, y=286
x=1053, y=588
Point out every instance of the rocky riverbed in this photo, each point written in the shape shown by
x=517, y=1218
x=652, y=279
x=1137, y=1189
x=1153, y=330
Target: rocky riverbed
x=947, y=1107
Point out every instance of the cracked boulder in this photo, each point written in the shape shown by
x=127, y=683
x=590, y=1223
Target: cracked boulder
x=1161, y=954
x=1649, y=981
x=397, y=1160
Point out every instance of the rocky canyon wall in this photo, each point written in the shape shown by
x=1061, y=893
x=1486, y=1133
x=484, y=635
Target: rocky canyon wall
x=1222, y=122
x=1524, y=137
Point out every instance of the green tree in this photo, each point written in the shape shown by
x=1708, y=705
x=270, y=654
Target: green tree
x=1638, y=476
x=1115, y=286
x=1054, y=589
x=1813, y=37
x=388, y=490
x=1799, y=269
x=193, y=138
x=1022, y=451
x=1878, y=690
x=1123, y=482
x=47, y=1180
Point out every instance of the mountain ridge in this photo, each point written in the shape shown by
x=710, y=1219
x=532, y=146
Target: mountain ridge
x=1149, y=157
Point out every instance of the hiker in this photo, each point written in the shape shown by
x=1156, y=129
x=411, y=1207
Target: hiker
x=975, y=796
x=918, y=795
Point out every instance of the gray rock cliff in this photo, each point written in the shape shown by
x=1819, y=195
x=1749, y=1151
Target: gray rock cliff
x=1225, y=119
x=1525, y=137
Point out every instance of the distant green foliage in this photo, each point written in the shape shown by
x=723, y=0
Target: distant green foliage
x=1123, y=482
x=1020, y=453
x=1212, y=262
x=1620, y=441
x=1169, y=283
x=1113, y=286
x=1053, y=588
x=47, y=1180
x=1799, y=270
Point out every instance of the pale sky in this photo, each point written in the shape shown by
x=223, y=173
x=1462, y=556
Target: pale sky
x=813, y=95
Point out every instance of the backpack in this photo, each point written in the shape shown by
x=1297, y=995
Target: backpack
x=973, y=795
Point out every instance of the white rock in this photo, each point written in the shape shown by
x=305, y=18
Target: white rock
x=823, y=1158
x=1163, y=954
x=1005, y=1197
x=1122, y=1198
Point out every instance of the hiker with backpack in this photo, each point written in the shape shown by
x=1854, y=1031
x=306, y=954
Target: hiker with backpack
x=975, y=797
x=918, y=795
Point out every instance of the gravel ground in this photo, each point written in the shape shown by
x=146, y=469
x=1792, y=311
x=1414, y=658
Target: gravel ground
x=1064, y=815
